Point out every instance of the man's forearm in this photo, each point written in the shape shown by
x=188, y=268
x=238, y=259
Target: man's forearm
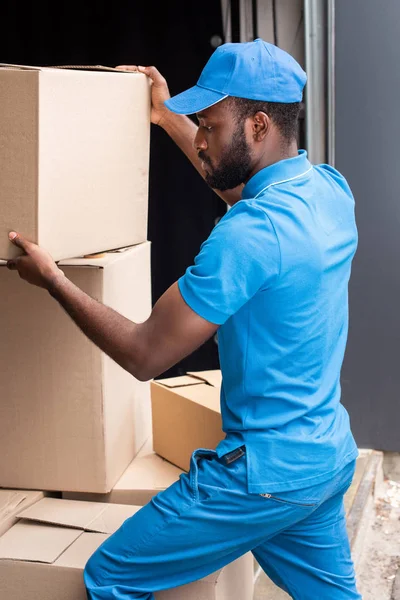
x=111, y=332
x=183, y=131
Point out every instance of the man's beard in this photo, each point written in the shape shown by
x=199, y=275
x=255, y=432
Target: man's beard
x=235, y=165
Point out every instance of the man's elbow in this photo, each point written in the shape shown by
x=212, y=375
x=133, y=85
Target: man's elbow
x=142, y=374
x=141, y=368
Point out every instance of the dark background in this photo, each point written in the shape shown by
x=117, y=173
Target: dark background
x=175, y=38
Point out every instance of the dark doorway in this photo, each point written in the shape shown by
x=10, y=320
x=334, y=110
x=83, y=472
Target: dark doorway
x=175, y=38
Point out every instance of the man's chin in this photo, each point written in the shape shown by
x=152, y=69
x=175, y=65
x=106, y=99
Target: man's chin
x=217, y=185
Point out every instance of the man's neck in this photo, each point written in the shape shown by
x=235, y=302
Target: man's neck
x=280, y=152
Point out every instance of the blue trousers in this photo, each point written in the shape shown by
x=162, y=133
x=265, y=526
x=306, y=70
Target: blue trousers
x=208, y=519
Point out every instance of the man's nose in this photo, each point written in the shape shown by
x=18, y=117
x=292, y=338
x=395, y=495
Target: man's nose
x=200, y=142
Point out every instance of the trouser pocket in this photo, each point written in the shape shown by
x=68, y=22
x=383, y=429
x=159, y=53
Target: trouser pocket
x=194, y=470
x=289, y=502
x=226, y=460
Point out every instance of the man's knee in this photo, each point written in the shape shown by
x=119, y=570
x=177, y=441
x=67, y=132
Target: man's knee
x=104, y=578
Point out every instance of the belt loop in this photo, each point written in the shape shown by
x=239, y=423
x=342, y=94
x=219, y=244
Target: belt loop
x=234, y=455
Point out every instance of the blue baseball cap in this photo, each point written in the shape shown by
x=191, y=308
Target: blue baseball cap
x=253, y=70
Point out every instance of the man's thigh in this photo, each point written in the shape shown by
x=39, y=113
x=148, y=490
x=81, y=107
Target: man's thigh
x=312, y=559
x=200, y=524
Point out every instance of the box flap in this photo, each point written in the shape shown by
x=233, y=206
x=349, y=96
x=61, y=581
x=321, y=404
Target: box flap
x=33, y=542
x=87, y=516
x=99, y=260
x=68, y=513
x=67, y=67
x=112, y=518
x=92, y=68
x=9, y=502
x=204, y=395
x=213, y=377
x=19, y=67
x=184, y=380
x=77, y=555
x=12, y=502
x=102, y=259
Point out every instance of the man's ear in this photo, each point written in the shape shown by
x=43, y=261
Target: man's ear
x=261, y=125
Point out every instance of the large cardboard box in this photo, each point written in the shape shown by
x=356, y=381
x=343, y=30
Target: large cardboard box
x=70, y=417
x=74, y=159
x=147, y=475
x=43, y=556
x=186, y=415
x=12, y=502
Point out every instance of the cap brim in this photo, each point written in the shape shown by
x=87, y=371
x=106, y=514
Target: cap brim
x=194, y=100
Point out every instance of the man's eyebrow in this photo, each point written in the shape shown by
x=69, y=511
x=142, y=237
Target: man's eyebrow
x=201, y=115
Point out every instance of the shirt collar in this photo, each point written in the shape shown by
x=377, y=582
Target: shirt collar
x=279, y=172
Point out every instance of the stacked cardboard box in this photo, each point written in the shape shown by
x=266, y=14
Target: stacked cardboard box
x=186, y=415
x=74, y=156
x=74, y=159
x=47, y=549
x=71, y=418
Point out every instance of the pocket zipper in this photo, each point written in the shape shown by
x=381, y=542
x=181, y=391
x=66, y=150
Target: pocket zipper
x=285, y=501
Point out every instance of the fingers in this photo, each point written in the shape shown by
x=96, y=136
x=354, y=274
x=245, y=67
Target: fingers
x=127, y=68
x=15, y=264
x=151, y=72
x=154, y=74
x=20, y=241
x=12, y=265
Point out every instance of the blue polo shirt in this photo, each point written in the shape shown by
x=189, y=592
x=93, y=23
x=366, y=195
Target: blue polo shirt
x=274, y=275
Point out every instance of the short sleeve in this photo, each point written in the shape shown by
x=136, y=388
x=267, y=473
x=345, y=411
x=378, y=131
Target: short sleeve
x=240, y=257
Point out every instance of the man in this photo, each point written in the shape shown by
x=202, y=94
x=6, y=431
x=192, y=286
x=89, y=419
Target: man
x=272, y=278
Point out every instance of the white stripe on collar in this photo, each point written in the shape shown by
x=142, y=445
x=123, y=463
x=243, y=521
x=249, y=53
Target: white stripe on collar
x=283, y=181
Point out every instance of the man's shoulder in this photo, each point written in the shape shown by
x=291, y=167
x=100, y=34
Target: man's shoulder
x=245, y=226
x=245, y=211
x=333, y=176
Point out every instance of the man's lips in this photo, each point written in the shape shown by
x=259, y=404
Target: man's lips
x=205, y=164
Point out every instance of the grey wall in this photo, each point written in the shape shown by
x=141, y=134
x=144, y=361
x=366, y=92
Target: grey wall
x=289, y=19
x=368, y=154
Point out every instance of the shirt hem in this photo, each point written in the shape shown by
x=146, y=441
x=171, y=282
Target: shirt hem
x=298, y=484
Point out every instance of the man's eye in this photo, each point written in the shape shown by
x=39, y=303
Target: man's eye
x=209, y=128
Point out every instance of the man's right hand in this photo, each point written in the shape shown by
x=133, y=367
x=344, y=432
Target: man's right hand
x=159, y=91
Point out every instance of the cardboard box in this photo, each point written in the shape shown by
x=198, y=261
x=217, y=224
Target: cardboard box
x=74, y=159
x=147, y=475
x=43, y=556
x=13, y=502
x=71, y=419
x=186, y=415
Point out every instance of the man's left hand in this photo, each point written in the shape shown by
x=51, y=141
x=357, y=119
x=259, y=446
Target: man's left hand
x=36, y=266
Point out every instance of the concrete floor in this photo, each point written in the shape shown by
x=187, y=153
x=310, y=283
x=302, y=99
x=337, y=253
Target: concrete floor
x=378, y=568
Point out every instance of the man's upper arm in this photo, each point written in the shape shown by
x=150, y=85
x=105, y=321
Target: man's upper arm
x=172, y=332
x=240, y=257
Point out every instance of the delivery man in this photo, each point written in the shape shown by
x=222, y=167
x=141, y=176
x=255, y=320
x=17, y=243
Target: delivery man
x=272, y=279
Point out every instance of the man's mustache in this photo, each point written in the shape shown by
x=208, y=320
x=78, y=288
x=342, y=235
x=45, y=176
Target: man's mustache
x=204, y=158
